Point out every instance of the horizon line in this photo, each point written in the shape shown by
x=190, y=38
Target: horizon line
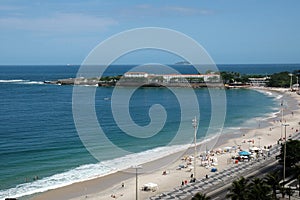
x=71, y=65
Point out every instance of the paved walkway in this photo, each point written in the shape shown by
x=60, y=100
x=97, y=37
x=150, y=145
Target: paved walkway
x=221, y=178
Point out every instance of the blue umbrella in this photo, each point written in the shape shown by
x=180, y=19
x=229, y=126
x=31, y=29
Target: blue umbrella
x=214, y=169
x=244, y=153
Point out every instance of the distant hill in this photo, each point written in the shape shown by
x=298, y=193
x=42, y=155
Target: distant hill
x=183, y=63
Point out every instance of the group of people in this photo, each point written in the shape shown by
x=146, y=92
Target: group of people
x=114, y=196
x=185, y=182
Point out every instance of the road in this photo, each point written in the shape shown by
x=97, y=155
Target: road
x=221, y=192
x=217, y=185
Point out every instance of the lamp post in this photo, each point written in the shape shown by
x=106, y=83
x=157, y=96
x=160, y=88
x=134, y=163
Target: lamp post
x=291, y=75
x=136, y=180
x=284, y=151
x=297, y=84
x=195, y=145
x=281, y=119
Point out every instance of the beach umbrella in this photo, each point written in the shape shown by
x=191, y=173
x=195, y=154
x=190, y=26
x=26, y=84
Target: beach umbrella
x=213, y=169
x=244, y=153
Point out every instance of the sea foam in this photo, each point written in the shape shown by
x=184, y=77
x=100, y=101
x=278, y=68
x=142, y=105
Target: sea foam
x=21, y=81
x=13, y=81
x=90, y=171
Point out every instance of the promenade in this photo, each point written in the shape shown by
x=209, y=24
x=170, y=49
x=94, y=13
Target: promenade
x=219, y=180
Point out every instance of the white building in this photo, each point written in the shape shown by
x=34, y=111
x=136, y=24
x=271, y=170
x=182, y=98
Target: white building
x=136, y=75
x=175, y=77
x=259, y=81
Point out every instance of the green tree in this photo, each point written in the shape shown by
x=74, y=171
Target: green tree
x=297, y=174
x=282, y=190
x=296, y=73
x=230, y=77
x=259, y=190
x=200, y=196
x=292, y=153
x=238, y=189
x=289, y=192
x=273, y=179
x=281, y=79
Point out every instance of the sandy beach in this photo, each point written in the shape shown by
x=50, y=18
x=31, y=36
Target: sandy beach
x=110, y=186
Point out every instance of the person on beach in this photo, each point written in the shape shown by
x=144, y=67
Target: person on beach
x=182, y=183
x=122, y=185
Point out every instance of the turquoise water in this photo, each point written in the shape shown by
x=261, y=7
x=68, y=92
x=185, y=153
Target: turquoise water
x=39, y=138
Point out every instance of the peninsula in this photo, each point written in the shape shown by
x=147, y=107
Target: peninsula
x=209, y=79
x=144, y=79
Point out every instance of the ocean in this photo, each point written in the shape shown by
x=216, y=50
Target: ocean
x=40, y=148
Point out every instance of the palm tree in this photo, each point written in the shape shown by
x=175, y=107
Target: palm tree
x=238, y=190
x=297, y=172
x=289, y=192
x=200, y=196
x=282, y=191
x=259, y=190
x=273, y=180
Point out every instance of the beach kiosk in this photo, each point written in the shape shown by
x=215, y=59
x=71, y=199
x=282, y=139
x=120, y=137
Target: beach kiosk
x=150, y=187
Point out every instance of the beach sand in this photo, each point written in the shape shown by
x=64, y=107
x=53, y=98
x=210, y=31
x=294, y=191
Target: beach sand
x=110, y=186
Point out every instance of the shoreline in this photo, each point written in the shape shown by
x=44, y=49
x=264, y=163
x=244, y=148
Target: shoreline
x=91, y=189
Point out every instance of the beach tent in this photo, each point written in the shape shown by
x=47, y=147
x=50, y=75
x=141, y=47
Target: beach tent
x=254, y=149
x=244, y=153
x=150, y=187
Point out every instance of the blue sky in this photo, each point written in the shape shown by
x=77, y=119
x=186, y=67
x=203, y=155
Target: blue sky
x=232, y=31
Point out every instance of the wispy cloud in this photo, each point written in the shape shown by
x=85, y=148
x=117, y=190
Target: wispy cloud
x=66, y=22
x=188, y=10
x=9, y=8
x=150, y=10
x=144, y=6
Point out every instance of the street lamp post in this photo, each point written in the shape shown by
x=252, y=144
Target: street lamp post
x=195, y=144
x=297, y=84
x=136, y=180
x=291, y=75
x=281, y=119
x=284, y=152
